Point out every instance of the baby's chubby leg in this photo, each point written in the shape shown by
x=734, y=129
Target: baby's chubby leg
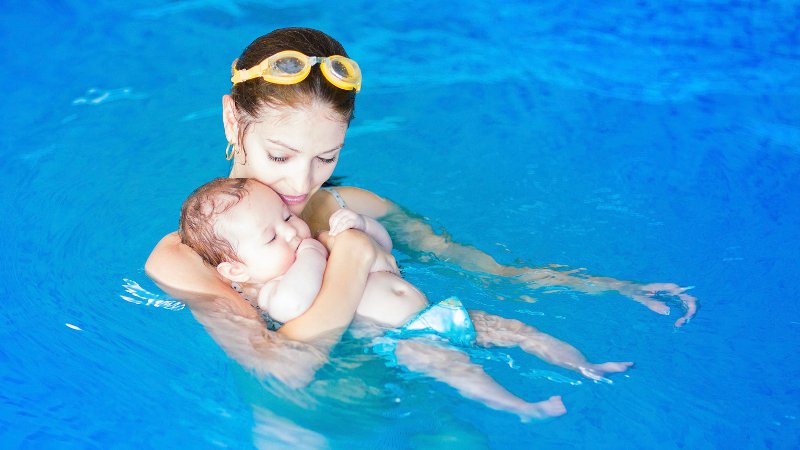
x=501, y=332
x=454, y=368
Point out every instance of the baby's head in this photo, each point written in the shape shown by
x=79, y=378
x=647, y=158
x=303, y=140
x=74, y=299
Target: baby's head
x=242, y=228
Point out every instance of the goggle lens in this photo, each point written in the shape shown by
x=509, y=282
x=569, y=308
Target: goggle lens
x=342, y=72
x=340, y=69
x=289, y=65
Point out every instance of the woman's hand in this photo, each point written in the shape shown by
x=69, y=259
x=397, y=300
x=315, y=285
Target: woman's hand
x=356, y=241
x=352, y=253
x=655, y=296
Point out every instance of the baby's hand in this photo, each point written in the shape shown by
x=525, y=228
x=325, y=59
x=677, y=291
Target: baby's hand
x=345, y=219
x=312, y=245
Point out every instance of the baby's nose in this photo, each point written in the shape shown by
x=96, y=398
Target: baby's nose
x=288, y=232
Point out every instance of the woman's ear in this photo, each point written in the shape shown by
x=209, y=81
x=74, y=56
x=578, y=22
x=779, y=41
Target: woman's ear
x=229, y=119
x=234, y=271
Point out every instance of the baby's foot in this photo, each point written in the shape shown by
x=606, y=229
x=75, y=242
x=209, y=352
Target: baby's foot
x=596, y=371
x=552, y=407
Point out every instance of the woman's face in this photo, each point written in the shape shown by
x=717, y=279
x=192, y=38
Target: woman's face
x=293, y=151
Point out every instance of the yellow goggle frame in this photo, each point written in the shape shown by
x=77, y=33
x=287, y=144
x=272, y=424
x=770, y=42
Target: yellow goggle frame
x=292, y=67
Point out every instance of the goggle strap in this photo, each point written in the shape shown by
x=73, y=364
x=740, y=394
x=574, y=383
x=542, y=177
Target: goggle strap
x=239, y=76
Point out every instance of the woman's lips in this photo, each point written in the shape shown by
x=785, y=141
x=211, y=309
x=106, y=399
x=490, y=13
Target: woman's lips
x=293, y=199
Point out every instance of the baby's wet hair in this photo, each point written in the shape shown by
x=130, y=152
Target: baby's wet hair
x=200, y=212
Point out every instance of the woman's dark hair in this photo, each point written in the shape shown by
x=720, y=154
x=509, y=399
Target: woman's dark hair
x=250, y=96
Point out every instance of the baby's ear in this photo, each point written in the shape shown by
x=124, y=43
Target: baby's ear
x=234, y=271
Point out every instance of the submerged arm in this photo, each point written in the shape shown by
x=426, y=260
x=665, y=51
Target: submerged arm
x=238, y=328
x=291, y=355
x=233, y=323
x=413, y=234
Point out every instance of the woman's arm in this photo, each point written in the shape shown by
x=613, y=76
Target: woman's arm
x=179, y=271
x=241, y=332
x=294, y=353
x=413, y=234
x=352, y=254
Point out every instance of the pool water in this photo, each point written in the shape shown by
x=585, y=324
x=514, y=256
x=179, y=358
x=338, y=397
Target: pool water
x=649, y=141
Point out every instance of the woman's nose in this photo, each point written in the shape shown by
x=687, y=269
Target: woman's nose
x=301, y=181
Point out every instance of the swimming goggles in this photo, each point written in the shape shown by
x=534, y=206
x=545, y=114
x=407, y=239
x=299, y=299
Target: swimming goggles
x=291, y=67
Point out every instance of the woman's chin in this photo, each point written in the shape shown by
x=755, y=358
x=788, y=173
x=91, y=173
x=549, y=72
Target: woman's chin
x=297, y=209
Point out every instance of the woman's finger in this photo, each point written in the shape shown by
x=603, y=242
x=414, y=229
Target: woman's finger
x=690, y=303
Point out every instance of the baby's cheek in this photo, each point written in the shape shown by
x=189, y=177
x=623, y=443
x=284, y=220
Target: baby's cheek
x=290, y=258
x=302, y=228
x=281, y=260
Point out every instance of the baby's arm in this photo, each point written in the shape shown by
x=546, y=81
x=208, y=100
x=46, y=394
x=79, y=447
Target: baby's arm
x=345, y=219
x=292, y=294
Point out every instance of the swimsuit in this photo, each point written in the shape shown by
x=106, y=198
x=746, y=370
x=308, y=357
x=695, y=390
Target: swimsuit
x=272, y=324
x=443, y=323
x=447, y=320
x=336, y=195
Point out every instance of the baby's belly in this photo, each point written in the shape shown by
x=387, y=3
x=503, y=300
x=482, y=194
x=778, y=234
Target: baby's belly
x=390, y=300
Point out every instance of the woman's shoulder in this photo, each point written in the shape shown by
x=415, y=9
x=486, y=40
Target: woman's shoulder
x=181, y=272
x=363, y=201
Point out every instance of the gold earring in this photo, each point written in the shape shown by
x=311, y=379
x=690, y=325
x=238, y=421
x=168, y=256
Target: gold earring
x=229, y=154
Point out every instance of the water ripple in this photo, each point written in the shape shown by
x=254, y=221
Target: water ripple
x=96, y=96
x=141, y=296
x=618, y=51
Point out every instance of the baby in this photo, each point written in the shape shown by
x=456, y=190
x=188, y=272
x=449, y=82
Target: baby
x=243, y=229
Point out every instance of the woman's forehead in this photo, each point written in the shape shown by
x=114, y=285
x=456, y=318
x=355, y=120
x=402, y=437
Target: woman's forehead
x=305, y=128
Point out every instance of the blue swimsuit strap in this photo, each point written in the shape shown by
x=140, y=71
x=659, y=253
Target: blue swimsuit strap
x=336, y=195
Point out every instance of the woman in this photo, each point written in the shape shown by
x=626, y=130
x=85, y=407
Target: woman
x=285, y=120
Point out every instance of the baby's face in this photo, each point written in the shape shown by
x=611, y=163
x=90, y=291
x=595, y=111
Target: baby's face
x=262, y=231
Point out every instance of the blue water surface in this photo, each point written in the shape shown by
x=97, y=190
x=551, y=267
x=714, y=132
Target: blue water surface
x=643, y=140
